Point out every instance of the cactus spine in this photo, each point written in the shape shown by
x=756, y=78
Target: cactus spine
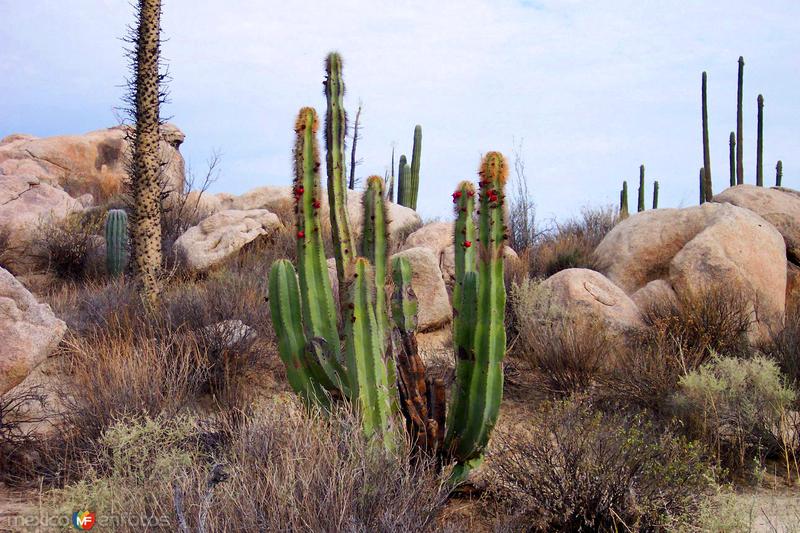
x=706, y=151
x=640, y=203
x=739, y=127
x=760, y=144
x=416, y=156
x=778, y=173
x=623, y=201
x=116, y=242
x=335, y=130
x=655, y=194
x=732, y=144
x=480, y=343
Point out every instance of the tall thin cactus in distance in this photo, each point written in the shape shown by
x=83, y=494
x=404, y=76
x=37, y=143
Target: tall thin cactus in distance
x=402, y=178
x=655, y=194
x=779, y=173
x=335, y=131
x=732, y=144
x=760, y=143
x=623, y=201
x=416, y=161
x=116, y=231
x=640, y=204
x=702, y=185
x=706, y=151
x=146, y=97
x=390, y=194
x=739, y=126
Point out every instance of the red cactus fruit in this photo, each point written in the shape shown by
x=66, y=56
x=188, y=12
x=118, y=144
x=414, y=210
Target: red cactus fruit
x=467, y=244
x=301, y=234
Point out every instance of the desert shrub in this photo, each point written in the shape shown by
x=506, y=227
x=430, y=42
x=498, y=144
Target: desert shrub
x=784, y=349
x=570, y=244
x=67, y=247
x=9, y=254
x=679, y=336
x=576, y=469
x=284, y=470
x=738, y=407
x=21, y=410
x=569, y=354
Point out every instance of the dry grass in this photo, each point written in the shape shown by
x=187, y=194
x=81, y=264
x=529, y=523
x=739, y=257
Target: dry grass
x=67, y=248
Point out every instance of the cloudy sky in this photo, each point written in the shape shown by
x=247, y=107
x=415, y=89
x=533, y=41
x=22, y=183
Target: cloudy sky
x=591, y=89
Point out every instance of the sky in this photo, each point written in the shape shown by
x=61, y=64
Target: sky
x=585, y=91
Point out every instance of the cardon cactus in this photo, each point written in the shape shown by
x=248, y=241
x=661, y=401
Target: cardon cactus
x=732, y=158
x=623, y=201
x=706, y=152
x=402, y=178
x=778, y=173
x=416, y=161
x=480, y=335
x=739, y=126
x=760, y=143
x=640, y=203
x=303, y=308
x=702, y=185
x=655, y=194
x=116, y=242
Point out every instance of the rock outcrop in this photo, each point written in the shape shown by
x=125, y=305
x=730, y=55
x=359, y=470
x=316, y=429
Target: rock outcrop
x=222, y=235
x=29, y=332
x=434, y=304
x=692, y=249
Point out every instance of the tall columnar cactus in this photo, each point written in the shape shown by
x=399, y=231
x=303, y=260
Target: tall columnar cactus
x=146, y=167
x=303, y=308
x=706, y=151
x=335, y=131
x=402, y=178
x=480, y=341
x=702, y=185
x=640, y=203
x=655, y=194
x=732, y=145
x=390, y=194
x=116, y=242
x=416, y=157
x=623, y=201
x=739, y=126
x=778, y=173
x=760, y=144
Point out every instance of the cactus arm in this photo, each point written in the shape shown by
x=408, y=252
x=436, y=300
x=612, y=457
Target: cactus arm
x=732, y=158
x=702, y=185
x=366, y=353
x=116, y=231
x=416, y=156
x=707, y=189
x=402, y=182
x=760, y=143
x=284, y=301
x=778, y=173
x=739, y=125
x=623, y=201
x=655, y=194
x=335, y=128
x=374, y=244
x=464, y=240
x=319, y=311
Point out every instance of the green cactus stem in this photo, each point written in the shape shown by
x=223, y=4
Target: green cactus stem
x=760, y=143
x=335, y=131
x=116, y=242
x=706, y=151
x=732, y=145
x=374, y=243
x=390, y=195
x=623, y=201
x=640, y=203
x=655, y=194
x=402, y=181
x=739, y=126
x=778, y=173
x=416, y=156
x=478, y=387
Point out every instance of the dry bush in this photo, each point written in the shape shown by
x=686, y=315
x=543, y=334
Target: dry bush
x=66, y=247
x=678, y=337
x=571, y=244
x=283, y=470
x=741, y=409
x=9, y=254
x=576, y=469
x=785, y=349
x=569, y=354
x=20, y=412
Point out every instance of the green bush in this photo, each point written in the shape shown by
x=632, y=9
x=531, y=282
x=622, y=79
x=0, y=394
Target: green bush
x=738, y=407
